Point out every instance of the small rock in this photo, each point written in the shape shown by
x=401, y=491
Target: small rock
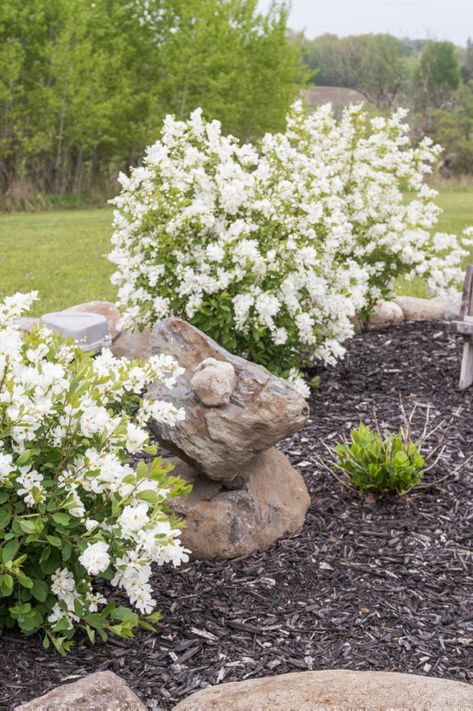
x=102, y=691
x=386, y=312
x=452, y=307
x=88, y=330
x=223, y=524
x=339, y=689
x=221, y=441
x=26, y=324
x=213, y=382
x=417, y=309
x=102, y=308
x=133, y=345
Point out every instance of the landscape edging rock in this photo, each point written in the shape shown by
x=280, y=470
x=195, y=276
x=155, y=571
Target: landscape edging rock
x=101, y=691
x=340, y=689
x=414, y=308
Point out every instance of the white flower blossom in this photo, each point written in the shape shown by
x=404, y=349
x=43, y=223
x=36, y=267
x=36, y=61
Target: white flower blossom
x=95, y=558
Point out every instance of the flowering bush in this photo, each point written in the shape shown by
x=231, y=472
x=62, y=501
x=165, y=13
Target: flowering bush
x=360, y=183
x=72, y=508
x=273, y=252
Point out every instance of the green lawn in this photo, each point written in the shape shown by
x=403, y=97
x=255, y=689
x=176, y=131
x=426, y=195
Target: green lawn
x=63, y=254
x=457, y=204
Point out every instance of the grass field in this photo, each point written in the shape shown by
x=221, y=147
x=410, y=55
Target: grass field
x=63, y=254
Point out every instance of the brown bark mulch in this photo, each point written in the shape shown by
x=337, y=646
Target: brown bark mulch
x=364, y=585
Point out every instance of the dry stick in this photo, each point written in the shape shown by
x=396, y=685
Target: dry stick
x=437, y=481
x=320, y=462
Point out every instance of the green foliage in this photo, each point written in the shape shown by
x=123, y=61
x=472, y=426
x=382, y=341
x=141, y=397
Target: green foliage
x=373, y=64
x=84, y=86
x=438, y=74
x=428, y=77
x=69, y=497
x=467, y=62
x=380, y=465
x=35, y=247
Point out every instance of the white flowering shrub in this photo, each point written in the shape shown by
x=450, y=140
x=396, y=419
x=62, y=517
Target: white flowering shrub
x=73, y=509
x=274, y=251
x=361, y=184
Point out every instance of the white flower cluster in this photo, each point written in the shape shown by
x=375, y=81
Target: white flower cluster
x=66, y=442
x=280, y=246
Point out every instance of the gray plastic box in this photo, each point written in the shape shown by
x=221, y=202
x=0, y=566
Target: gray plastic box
x=89, y=330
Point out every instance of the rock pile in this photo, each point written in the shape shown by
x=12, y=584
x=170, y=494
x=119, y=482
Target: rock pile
x=245, y=493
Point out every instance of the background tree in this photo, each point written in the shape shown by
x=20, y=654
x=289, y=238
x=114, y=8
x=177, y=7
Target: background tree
x=467, y=62
x=439, y=73
x=84, y=85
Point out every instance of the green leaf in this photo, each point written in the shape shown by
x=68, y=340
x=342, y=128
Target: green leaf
x=27, y=525
x=124, y=614
x=24, y=580
x=9, y=550
x=155, y=616
x=5, y=516
x=25, y=457
x=63, y=519
x=66, y=552
x=6, y=585
x=54, y=541
x=148, y=495
x=40, y=590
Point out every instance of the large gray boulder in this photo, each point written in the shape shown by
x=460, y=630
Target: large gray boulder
x=335, y=689
x=220, y=441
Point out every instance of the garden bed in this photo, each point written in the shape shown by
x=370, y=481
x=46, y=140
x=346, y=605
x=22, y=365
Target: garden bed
x=385, y=586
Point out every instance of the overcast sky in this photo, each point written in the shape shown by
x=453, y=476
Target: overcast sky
x=418, y=19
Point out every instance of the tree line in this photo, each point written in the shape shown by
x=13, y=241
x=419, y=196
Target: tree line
x=84, y=85
x=434, y=79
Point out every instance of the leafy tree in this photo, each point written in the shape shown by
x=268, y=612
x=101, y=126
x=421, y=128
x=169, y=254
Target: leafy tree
x=438, y=74
x=375, y=67
x=467, y=62
x=452, y=128
x=321, y=57
x=373, y=64
x=84, y=85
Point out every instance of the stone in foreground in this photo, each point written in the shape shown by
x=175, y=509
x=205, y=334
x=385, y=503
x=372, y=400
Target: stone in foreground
x=342, y=690
x=386, y=312
x=417, y=309
x=103, y=691
x=89, y=330
x=27, y=324
x=102, y=308
x=222, y=524
x=213, y=382
x=132, y=345
x=221, y=441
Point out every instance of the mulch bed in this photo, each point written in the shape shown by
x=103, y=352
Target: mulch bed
x=364, y=585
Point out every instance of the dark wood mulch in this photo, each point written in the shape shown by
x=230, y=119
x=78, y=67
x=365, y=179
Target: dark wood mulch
x=381, y=586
